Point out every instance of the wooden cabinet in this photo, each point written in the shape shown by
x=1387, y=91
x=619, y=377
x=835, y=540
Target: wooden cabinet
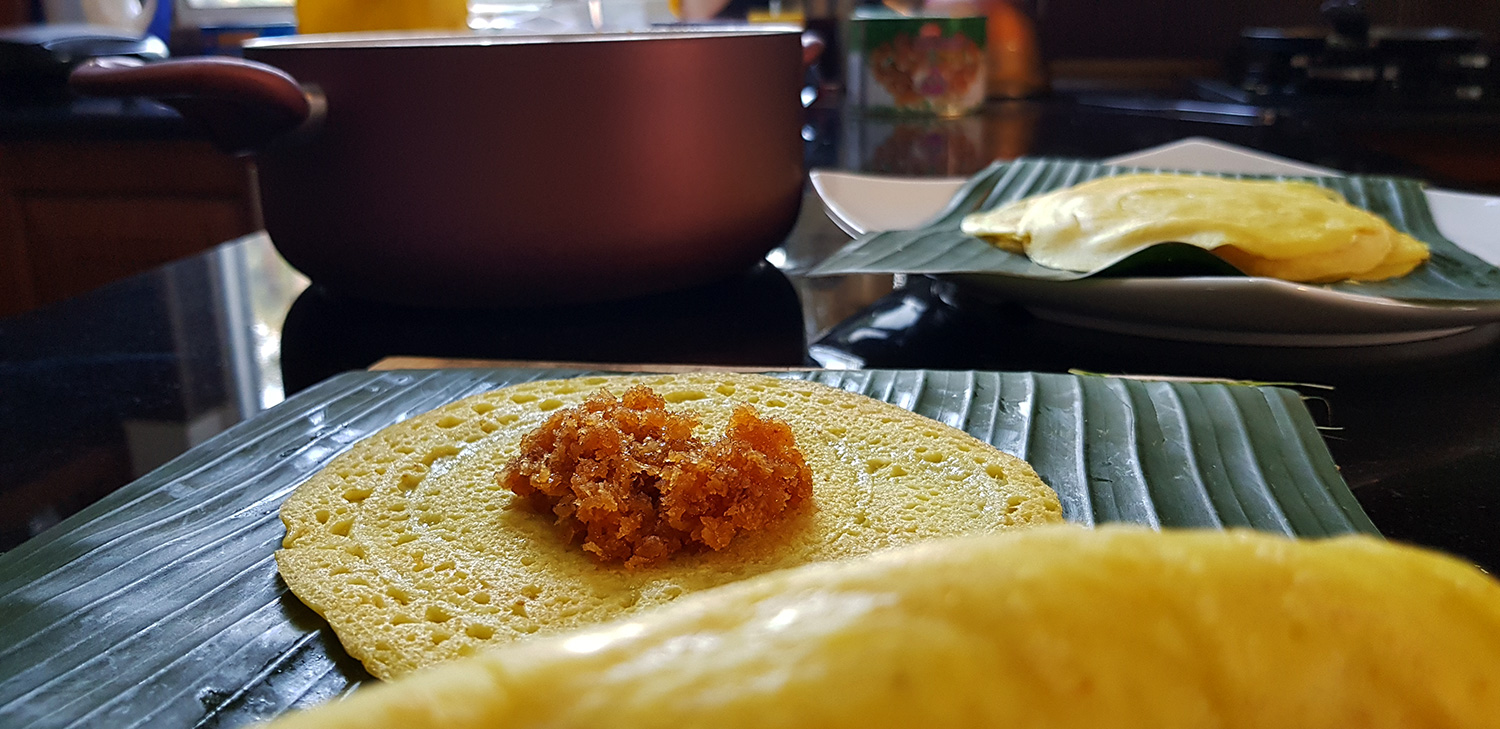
x=75, y=215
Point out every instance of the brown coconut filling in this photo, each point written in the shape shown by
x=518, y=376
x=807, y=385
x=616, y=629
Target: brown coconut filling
x=628, y=479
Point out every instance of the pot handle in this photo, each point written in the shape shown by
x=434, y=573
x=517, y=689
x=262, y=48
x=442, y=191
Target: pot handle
x=244, y=105
x=813, y=46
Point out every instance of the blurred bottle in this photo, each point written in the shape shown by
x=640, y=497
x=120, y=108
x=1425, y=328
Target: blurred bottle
x=1015, y=68
x=338, y=16
x=787, y=12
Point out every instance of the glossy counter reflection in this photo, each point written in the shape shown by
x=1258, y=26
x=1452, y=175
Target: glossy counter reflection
x=752, y=320
x=101, y=389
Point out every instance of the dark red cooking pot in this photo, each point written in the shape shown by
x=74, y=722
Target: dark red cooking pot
x=475, y=170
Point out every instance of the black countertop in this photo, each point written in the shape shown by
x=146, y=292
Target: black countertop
x=84, y=118
x=99, y=389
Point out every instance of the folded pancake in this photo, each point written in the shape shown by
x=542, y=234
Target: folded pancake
x=1048, y=627
x=415, y=553
x=1295, y=231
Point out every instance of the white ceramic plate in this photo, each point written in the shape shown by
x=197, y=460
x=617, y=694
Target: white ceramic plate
x=1254, y=311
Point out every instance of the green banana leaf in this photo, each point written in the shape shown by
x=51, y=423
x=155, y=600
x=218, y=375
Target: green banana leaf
x=160, y=605
x=1452, y=275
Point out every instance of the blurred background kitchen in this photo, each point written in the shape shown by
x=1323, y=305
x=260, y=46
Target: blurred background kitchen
x=1412, y=81
x=115, y=283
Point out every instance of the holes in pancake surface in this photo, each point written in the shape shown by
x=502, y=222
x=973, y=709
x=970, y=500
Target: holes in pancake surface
x=449, y=421
x=436, y=614
x=442, y=451
x=684, y=396
x=842, y=432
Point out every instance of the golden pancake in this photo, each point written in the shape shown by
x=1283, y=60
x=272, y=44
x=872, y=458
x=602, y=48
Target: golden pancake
x=415, y=554
x=1051, y=627
x=1289, y=230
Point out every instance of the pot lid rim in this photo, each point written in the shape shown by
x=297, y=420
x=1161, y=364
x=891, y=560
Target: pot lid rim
x=441, y=39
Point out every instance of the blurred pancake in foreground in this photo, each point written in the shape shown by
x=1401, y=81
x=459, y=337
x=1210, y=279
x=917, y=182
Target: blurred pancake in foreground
x=1295, y=231
x=415, y=551
x=1049, y=627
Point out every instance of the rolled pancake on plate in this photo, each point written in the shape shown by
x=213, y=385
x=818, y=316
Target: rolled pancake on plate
x=1290, y=230
x=1052, y=627
x=415, y=553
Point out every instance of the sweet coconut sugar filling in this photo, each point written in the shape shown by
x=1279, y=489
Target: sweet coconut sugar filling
x=628, y=478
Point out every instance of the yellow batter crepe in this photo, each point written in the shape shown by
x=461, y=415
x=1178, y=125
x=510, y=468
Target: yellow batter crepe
x=1289, y=230
x=416, y=555
x=1051, y=627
